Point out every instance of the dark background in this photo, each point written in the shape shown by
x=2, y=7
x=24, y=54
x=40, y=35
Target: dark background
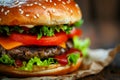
x=101, y=22
x=102, y=26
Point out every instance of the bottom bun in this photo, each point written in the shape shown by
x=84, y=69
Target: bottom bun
x=55, y=70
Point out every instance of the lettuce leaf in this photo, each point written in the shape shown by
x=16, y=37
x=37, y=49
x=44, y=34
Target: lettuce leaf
x=36, y=61
x=40, y=31
x=82, y=45
x=79, y=23
x=5, y=59
x=73, y=57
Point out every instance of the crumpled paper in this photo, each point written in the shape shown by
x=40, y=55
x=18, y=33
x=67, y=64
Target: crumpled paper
x=95, y=62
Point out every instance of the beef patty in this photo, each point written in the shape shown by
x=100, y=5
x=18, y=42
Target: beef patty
x=27, y=52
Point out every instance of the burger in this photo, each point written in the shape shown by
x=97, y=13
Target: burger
x=40, y=38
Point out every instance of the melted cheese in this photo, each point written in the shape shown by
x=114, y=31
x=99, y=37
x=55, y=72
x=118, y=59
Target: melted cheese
x=63, y=45
x=8, y=43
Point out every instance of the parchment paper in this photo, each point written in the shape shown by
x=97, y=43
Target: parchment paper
x=95, y=62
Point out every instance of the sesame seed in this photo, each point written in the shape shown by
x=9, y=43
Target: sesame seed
x=28, y=4
x=2, y=9
x=68, y=1
x=21, y=11
x=35, y=2
x=39, y=4
x=53, y=10
x=43, y=7
x=50, y=1
x=67, y=8
x=77, y=5
x=19, y=6
x=48, y=13
x=46, y=0
x=63, y=2
x=35, y=17
x=27, y=15
x=55, y=4
x=7, y=12
x=71, y=11
x=31, y=4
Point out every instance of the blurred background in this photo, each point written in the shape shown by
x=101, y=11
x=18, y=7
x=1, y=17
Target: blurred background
x=101, y=22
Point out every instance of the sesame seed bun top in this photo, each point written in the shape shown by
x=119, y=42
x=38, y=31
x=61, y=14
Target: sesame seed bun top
x=39, y=12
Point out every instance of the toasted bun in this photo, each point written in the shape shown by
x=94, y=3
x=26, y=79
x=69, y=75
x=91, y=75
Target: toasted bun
x=54, y=70
x=39, y=12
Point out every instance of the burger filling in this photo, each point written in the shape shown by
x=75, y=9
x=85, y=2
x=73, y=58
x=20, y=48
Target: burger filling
x=24, y=48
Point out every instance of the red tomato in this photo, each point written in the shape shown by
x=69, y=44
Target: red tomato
x=75, y=32
x=57, y=39
x=62, y=59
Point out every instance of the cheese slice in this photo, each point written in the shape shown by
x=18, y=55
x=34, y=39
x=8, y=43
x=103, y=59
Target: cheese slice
x=63, y=45
x=7, y=43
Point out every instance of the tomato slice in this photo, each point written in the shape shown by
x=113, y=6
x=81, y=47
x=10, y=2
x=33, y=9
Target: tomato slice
x=26, y=39
x=57, y=39
x=75, y=32
x=62, y=59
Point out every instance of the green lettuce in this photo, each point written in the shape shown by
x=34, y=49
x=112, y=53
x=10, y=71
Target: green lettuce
x=7, y=30
x=79, y=23
x=82, y=45
x=40, y=31
x=50, y=30
x=73, y=57
x=28, y=66
x=5, y=59
x=36, y=61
